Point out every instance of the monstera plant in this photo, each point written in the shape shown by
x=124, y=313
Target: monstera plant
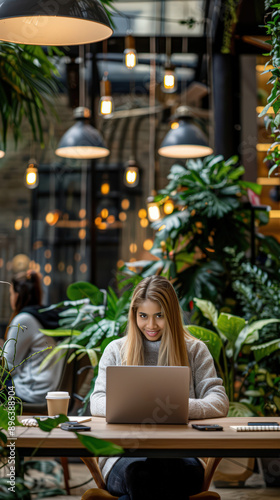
x=209, y=216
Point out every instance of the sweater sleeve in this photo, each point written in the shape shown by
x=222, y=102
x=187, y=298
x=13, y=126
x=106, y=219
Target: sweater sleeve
x=210, y=397
x=98, y=397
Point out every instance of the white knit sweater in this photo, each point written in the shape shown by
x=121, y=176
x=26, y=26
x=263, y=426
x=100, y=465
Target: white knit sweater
x=208, y=398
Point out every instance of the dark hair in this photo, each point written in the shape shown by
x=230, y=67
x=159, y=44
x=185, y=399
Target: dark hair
x=28, y=287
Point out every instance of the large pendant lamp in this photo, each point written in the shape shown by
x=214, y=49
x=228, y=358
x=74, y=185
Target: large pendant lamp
x=82, y=140
x=59, y=22
x=184, y=139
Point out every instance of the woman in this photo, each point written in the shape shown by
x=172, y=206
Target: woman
x=25, y=341
x=156, y=336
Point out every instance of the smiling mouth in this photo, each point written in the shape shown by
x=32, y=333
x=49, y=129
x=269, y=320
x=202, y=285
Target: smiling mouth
x=152, y=334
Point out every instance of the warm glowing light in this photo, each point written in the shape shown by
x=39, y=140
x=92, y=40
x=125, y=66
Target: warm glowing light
x=161, y=227
x=106, y=105
x=47, y=253
x=274, y=214
x=47, y=280
x=82, y=234
x=130, y=58
x=98, y=221
x=82, y=213
x=104, y=213
x=174, y=125
x=122, y=216
x=125, y=204
x=144, y=222
x=120, y=263
x=69, y=269
x=18, y=224
x=268, y=181
x=2, y=153
x=261, y=67
x=48, y=268
x=153, y=211
x=102, y=226
x=52, y=218
x=111, y=219
x=61, y=266
x=169, y=84
x=31, y=177
x=83, y=268
x=168, y=207
x=142, y=213
x=133, y=247
x=26, y=222
x=147, y=245
x=261, y=147
x=259, y=109
x=105, y=188
x=131, y=176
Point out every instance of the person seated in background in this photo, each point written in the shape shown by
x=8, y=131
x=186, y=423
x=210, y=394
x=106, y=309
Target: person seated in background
x=156, y=336
x=26, y=341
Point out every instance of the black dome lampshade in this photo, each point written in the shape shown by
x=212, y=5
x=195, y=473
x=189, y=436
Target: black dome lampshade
x=82, y=140
x=184, y=139
x=59, y=22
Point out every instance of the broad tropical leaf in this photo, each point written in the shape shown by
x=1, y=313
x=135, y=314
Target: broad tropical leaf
x=211, y=339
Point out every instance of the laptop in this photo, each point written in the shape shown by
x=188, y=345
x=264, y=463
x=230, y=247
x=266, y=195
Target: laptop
x=147, y=394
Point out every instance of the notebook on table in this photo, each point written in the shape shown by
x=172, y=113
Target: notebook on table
x=147, y=394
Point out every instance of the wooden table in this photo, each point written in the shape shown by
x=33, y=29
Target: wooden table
x=156, y=440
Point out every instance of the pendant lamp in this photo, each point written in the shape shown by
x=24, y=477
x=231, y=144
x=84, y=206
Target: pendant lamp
x=59, y=22
x=82, y=140
x=184, y=139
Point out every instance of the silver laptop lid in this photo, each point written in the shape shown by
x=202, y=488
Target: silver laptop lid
x=147, y=394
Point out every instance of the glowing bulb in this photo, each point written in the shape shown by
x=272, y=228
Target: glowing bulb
x=31, y=177
x=106, y=105
x=168, y=207
x=131, y=176
x=153, y=211
x=130, y=58
x=169, y=81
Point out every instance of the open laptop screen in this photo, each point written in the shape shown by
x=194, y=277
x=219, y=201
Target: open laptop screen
x=147, y=394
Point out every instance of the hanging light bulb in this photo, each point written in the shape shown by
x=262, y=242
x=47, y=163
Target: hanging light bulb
x=62, y=22
x=82, y=140
x=131, y=174
x=106, y=103
x=31, y=177
x=153, y=209
x=169, y=84
x=130, y=54
x=184, y=139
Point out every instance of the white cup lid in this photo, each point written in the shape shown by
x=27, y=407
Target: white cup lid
x=57, y=395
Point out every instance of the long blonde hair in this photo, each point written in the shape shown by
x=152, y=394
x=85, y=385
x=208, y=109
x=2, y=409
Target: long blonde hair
x=173, y=350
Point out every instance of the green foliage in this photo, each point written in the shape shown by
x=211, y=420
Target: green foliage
x=190, y=245
x=234, y=336
x=89, y=321
x=272, y=25
x=28, y=85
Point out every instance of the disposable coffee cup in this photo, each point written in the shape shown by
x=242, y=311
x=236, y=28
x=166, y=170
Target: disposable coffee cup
x=57, y=402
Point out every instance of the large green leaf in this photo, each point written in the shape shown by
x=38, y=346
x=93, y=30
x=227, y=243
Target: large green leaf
x=211, y=339
x=230, y=325
x=99, y=447
x=208, y=310
x=240, y=410
x=59, y=332
x=264, y=350
x=248, y=334
x=83, y=289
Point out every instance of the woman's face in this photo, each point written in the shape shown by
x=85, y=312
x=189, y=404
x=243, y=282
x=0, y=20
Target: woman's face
x=13, y=297
x=150, y=320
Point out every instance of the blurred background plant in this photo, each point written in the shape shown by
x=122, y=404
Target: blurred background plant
x=237, y=348
x=195, y=245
